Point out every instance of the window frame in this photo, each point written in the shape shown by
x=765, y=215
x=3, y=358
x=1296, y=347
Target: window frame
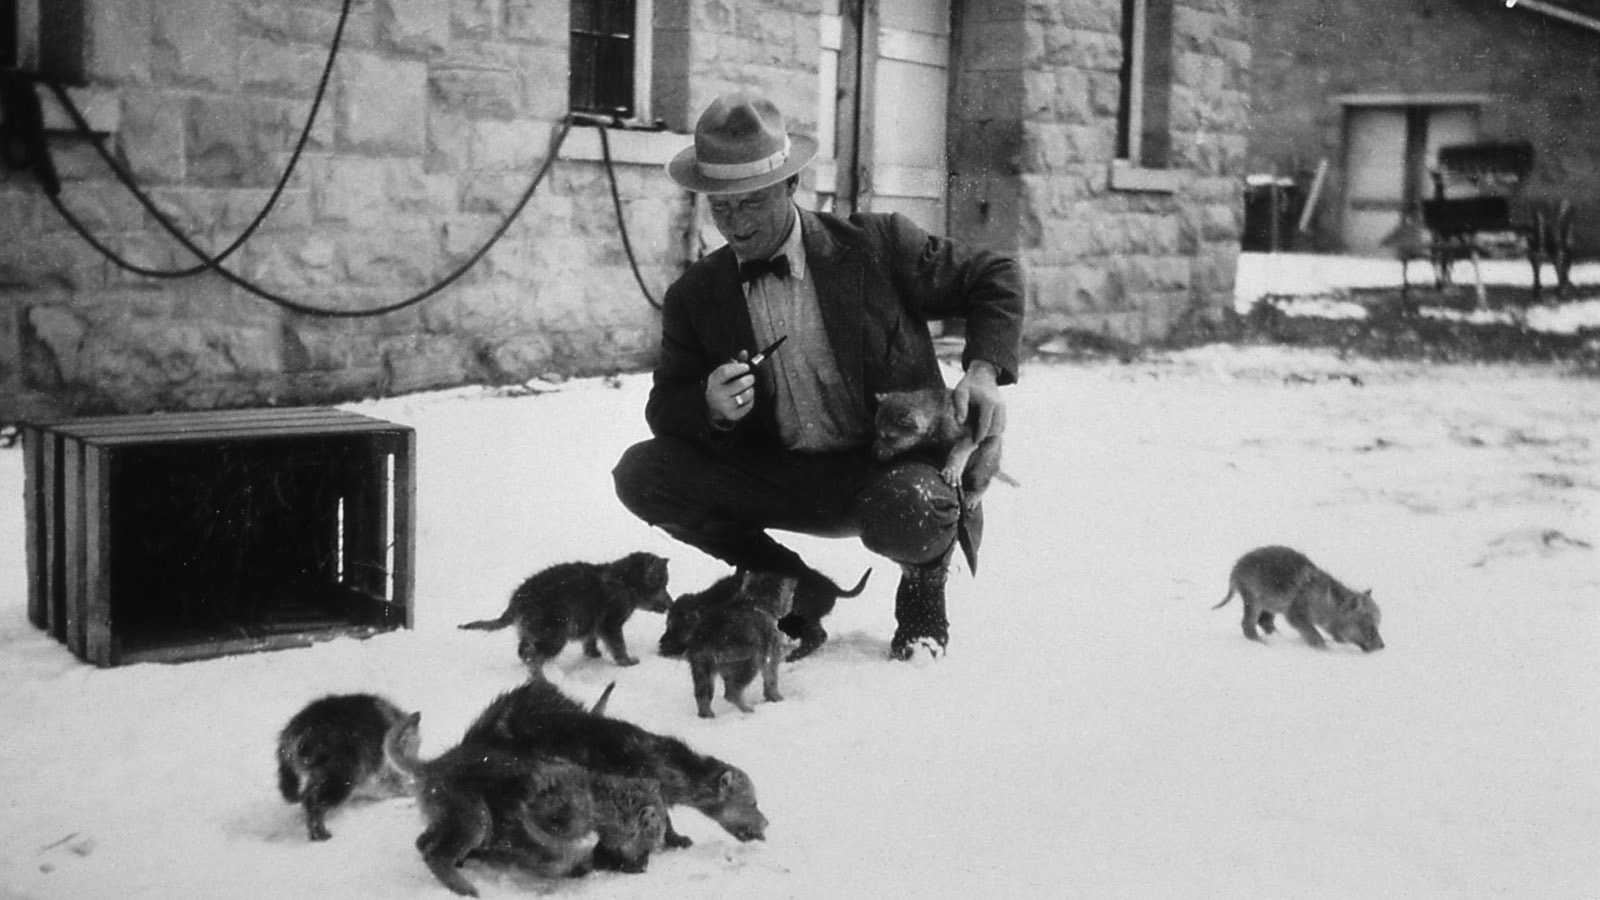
x=643, y=43
x=1144, y=107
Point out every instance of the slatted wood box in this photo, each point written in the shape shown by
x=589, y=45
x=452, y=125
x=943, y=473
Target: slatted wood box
x=180, y=536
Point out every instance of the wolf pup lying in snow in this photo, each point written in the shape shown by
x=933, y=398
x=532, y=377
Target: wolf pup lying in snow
x=1281, y=580
x=925, y=421
x=584, y=600
x=723, y=792
x=499, y=806
x=333, y=749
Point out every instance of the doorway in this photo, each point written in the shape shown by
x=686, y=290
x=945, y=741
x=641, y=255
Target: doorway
x=883, y=105
x=1389, y=148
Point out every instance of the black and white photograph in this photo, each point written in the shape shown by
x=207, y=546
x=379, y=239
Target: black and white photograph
x=800, y=449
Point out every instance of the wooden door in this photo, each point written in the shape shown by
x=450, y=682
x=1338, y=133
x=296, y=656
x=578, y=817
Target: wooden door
x=883, y=108
x=1389, y=151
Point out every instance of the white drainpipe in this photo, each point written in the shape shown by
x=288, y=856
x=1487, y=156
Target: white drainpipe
x=1557, y=12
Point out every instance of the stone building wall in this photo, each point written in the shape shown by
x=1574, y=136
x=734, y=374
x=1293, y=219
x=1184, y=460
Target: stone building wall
x=1035, y=124
x=438, y=114
x=1541, y=78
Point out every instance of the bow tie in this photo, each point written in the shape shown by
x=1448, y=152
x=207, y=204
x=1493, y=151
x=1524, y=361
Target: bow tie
x=755, y=268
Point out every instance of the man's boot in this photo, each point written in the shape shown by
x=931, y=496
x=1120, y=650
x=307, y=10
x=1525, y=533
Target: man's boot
x=921, y=625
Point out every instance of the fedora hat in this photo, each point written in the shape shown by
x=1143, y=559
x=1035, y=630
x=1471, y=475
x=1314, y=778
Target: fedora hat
x=740, y=144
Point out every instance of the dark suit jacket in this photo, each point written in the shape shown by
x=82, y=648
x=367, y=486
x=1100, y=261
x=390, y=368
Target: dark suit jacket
x=879, y=280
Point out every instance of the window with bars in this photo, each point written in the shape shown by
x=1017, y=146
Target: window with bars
x=1144, y=138
x=604, y=55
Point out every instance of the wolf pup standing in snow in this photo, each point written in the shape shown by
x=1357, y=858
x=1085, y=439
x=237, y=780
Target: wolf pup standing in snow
x=582, y=600
x=604, y=746
x=1280, y=580
x=332, y=749
x=738, y=639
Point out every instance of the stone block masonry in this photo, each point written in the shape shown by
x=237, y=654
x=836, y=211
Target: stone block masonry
x=436, y=117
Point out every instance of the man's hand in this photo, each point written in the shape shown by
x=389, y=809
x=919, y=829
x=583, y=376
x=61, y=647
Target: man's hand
x=978, y=393
x=731, y=391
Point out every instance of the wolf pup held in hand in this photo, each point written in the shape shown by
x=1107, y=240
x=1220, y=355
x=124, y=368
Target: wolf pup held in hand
x=1282, y=580
x=591, y=601
x=739, y=450
x=333, y=749
x=722, y=792
x=926, y=421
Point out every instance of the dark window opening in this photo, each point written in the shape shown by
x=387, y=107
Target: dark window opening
x=1144, y=135
x=8, y=34
x=44, y=37
x=602, y=53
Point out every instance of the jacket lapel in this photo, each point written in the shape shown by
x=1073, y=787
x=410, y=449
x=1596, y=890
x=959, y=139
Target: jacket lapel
x=731, y=317
x=839, y=277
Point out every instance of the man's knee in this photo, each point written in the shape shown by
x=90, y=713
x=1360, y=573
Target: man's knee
x=636, y=473
x=909, y=515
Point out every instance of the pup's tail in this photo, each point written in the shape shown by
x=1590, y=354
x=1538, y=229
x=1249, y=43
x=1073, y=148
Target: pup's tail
x=1227, y=598
x=506, y=618
x=1002, y=476
x=860, y=585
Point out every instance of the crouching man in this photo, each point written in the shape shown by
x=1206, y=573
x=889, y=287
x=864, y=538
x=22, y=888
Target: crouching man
x=743, y=445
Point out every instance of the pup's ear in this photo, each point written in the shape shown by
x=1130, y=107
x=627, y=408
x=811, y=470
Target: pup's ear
x=649, y=818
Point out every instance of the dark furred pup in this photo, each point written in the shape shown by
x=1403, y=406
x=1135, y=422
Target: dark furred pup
x=499, y=806
x=739, y=639
x=591, y=601
x=333, y=749
x=605, y=746
x=815, y=596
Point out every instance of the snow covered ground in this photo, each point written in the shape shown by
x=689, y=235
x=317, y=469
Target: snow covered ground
x=1319, y=285
x=1098, y=730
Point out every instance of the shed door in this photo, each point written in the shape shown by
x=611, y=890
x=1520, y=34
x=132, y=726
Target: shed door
x=885, y=92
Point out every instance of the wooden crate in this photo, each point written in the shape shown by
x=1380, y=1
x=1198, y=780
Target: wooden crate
x=178, y=536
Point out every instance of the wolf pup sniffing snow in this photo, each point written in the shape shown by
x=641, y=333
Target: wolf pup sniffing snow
x=333, y=749
x=576, y=600
x=1281, y=580
x=604, y=746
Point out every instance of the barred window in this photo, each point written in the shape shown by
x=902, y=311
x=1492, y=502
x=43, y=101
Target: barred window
x=1143, y=133
x=605, y=37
